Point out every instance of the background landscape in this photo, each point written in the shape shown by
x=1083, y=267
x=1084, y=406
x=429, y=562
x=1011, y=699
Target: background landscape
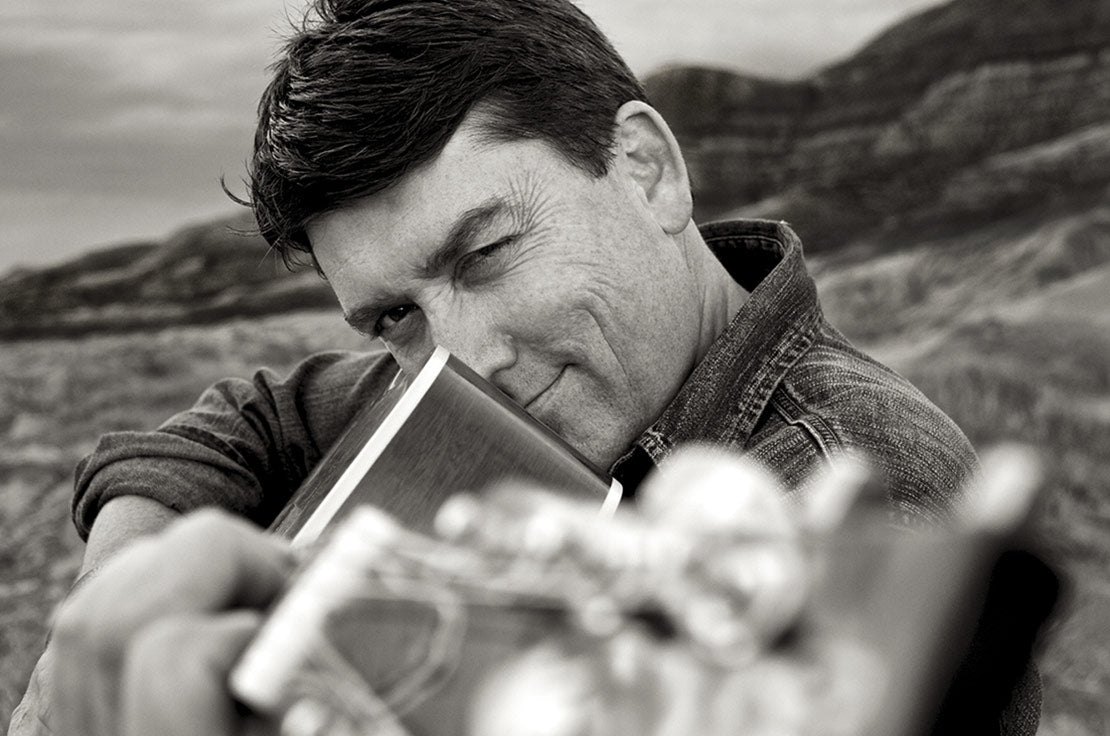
x=951, y=182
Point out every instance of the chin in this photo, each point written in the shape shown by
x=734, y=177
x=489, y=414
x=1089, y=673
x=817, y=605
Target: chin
x=601, y=453
x=585, y=447
x=600, y=448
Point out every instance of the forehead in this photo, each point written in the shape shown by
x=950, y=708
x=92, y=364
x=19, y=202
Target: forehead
x=403, y=223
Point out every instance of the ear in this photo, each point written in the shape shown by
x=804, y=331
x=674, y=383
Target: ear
x=647, y=152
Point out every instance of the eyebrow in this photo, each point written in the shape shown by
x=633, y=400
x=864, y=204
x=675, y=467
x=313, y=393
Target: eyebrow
x=462, y=235
x=468, y=227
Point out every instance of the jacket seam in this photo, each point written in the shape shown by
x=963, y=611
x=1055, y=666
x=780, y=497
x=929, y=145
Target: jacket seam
x=795, y=413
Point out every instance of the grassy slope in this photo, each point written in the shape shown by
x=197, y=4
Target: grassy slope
x=57, y=397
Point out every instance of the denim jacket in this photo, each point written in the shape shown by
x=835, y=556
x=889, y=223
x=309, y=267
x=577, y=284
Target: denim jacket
x=784, y=387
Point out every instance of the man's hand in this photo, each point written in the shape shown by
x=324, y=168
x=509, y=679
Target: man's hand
x=144, y=647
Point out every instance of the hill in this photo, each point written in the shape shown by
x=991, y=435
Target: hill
x=914, y=131
x=206, y=272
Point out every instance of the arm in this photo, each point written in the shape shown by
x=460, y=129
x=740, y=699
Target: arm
x=122, y=520
x=244, y=446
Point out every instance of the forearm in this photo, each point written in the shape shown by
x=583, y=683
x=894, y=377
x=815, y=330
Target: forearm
x=121, y=521
x=244, y=446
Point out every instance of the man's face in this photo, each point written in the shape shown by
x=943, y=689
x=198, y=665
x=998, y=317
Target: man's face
x=558, y=287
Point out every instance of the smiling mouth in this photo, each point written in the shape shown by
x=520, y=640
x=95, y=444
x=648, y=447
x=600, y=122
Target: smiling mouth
x=534, y=403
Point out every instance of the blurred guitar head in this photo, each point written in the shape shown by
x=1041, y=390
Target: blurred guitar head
x=718, y=606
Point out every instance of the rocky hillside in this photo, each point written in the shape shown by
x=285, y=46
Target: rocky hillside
x=968, y=111
x=203, y=273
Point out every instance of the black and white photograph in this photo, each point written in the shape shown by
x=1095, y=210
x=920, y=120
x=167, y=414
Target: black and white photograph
x=555, y=367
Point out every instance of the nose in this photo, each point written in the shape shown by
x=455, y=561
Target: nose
x=479, y=339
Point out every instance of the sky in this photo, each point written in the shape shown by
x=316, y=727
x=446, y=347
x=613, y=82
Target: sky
x=119, y=117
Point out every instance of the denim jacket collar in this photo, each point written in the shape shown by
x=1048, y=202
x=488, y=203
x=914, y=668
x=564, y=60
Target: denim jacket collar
x=729, y=389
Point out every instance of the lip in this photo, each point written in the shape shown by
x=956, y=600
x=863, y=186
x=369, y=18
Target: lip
x=535, y=404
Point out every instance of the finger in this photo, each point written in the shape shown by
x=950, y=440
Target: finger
x=207, y=561
x=1007, y=487
x=706, y=490
x=175, y=673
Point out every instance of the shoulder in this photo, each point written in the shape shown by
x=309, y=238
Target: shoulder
x=327, y=389
x=291, y=416
x=837, y=400
x=323, y=383
x=337, y=377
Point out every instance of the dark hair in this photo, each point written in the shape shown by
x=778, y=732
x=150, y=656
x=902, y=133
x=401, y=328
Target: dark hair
x=368, y=89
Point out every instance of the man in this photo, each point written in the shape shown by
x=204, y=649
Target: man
x=487, y=175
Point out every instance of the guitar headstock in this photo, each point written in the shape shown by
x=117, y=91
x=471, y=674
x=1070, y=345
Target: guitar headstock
x=717, y=604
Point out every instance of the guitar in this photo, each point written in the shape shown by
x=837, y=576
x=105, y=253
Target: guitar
x=446, y=430
x=528, y=613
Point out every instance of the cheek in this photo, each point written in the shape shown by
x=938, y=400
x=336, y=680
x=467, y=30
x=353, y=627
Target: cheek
x=550, y=309
x=409, y=358
x=552, y=328
x=592, y=315
x=632, y=309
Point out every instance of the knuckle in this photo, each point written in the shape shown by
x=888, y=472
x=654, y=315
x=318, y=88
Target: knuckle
x=190, y=646
x=80, y=635
x=166, y=634
x=68, y=629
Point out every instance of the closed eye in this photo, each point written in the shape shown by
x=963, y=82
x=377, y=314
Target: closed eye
x=482, y=263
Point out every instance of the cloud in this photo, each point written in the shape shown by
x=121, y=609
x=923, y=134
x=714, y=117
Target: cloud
x=120, y=95
x=160, y=120
x=109, y=54
x=777, y=38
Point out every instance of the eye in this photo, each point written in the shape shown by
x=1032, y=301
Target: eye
x=392, y=317
x=483, y=262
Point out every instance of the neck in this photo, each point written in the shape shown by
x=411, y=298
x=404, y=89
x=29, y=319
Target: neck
x=721, y=296
x=723, y=300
